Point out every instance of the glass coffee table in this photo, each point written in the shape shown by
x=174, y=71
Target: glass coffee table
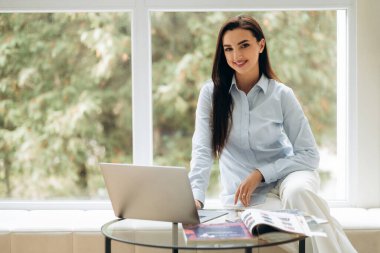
x=169, y=235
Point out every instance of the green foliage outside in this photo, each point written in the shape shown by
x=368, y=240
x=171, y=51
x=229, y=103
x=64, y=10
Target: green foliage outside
x=65, y=102
x=65, y=91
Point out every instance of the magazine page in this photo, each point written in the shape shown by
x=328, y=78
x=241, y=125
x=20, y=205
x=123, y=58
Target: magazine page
x=254, y=218
x=216, y=232
x=310, y=219
x=314, y=223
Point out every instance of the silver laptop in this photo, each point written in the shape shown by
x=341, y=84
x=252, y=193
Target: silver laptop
x=153, y=193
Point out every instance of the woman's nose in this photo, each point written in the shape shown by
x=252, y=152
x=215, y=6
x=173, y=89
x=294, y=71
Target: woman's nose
x=237, y=55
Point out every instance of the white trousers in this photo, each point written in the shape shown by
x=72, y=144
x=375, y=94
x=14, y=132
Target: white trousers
x=299, y=191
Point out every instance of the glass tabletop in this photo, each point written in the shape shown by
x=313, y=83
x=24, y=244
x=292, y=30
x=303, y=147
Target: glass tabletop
x=168, y=235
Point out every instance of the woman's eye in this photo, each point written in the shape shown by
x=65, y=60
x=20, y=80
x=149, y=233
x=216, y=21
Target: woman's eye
x=245, y=45
x=228, y=49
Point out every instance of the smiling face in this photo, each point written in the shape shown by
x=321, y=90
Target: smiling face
x=242, y=51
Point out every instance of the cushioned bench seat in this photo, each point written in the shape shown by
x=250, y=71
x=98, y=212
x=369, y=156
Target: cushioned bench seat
x=78, y=231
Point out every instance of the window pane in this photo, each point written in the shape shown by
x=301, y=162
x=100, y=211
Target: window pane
x=302, y=47
x=65, y=102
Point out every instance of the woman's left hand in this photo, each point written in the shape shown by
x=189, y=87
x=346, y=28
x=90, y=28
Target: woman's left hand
x=247, y=187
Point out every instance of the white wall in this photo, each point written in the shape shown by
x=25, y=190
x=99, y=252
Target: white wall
x=368, y=84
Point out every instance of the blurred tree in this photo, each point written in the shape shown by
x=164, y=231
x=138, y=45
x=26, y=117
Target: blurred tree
x=65, y=102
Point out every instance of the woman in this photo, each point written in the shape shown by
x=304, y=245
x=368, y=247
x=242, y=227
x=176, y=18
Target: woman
x=255, y=126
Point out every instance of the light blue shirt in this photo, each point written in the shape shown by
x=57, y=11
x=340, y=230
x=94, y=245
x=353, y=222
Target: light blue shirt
x=269, y=133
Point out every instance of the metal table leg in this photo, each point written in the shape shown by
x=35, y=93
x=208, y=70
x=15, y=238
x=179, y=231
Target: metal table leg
x=174, y=236
x=248, y=250
x=108, y=245
x=302, y=246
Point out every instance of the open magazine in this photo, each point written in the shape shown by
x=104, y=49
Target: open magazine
x=253, y=222
x=292, y=221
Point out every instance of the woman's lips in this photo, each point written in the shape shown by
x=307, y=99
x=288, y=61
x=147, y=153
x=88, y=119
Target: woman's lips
x=240, y=63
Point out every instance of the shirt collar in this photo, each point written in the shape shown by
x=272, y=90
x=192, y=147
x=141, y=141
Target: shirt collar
x=262, y=83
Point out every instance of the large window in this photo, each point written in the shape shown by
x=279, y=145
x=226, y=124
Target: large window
x=65, y=102
x=303, y=51
x=118, y=81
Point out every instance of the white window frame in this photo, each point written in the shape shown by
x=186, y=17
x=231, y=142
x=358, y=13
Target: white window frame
x=142, y=72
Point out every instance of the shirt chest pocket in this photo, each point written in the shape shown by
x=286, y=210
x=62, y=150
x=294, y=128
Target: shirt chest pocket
x=266, y=131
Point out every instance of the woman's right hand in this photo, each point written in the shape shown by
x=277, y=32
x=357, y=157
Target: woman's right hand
x=198, y=204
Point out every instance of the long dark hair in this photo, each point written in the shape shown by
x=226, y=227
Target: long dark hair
x=222, y=77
